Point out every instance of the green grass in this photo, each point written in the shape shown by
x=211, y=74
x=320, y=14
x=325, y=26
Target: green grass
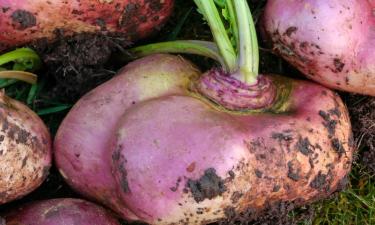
x=356, y=205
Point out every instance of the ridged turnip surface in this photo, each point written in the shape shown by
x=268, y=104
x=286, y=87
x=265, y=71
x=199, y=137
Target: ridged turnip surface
x=151, y=147
x=23, y=21
x=25, y=150
x=332, y=42
x=60, y=212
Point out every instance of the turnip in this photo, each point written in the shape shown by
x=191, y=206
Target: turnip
x=331, y=42
x=163, y=143
x=23, y=21
x=25, y=143
x=60, y=212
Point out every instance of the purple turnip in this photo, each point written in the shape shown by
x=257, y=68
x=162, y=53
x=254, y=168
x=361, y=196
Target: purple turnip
x=25, y=143
x=331, y=42
x=23, y=21
x=165, y=144
x=60, y=212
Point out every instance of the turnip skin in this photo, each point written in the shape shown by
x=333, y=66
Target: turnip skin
x=23, y=21
x=331, y=42
x=60, y=212
x=77, y=158
x=25, y=150
x=157, y=141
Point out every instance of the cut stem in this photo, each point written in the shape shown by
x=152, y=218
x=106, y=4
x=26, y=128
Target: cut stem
x=211, y=14
x=19, y=75
x=245, y=65
x=248, y=60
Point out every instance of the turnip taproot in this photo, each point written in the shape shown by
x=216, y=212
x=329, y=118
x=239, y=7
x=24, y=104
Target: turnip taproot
x=164, y=144
x=23, y=21
x=331, y=42
x=60, y=212
x=25, y=143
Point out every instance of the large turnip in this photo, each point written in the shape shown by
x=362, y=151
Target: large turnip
x=331, y=42
x=22, y=21
x=165, y=144
x=60, y=212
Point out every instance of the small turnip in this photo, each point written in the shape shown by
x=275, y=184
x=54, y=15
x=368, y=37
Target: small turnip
x=25, y=150
x=23, y=21
x=164, y=143
x=60, y=212
x=331, y=42
x=25, y=142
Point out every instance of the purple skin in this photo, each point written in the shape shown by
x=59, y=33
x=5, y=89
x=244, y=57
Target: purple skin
x=60, y=212
x=151, y=145
x=331, y=42
x=77, y=159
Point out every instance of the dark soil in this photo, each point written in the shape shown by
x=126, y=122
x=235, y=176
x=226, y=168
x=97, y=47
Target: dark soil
x=362, y=113
x=209, y=186
x=278, y=214
x=77, y=64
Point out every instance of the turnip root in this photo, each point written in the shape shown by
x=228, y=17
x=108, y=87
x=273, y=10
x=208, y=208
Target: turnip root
x=331, y=42
x=60, y=212
x=23, y=21
x=25, y=150
x=164, y=144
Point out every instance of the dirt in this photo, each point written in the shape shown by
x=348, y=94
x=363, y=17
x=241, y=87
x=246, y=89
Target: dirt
x=293, y=171
x=304, y=146
x=338, y=64
x=277, y=214
x=23, y=19
x=329, y=123
x=362, y=115
x=319, y=182
x=209, y=186
x=337, y=146
x=76, y=64
x=120, y=163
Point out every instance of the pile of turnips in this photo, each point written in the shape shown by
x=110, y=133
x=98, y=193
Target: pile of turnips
x=165, y=143
x=25, y=141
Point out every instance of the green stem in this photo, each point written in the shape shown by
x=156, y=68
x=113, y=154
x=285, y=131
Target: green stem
x=243, y=67
x=230, y=16
x=232, y=20
x=24, y=58
x=211, y=14
x=248, y=61
x=203, y=48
